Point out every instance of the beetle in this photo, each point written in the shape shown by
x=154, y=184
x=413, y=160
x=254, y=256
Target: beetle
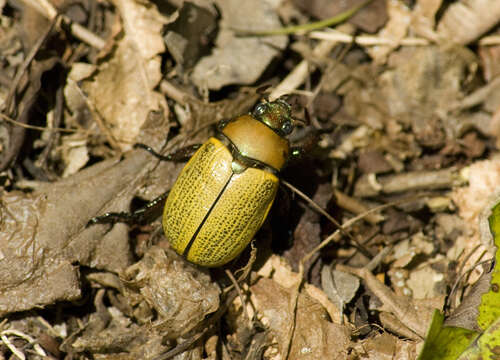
x=225, y=191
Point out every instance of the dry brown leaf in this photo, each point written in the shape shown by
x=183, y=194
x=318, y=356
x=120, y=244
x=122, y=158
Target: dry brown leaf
x=495, y=127
x=369, y=18
x=422, y=84
x=490, y=61
x=280, y=271
x=181, y=293
x=314, y=336
x=385, y=346
x=44, y=233
x=122, y=90
x=31, y=273
x=74, y=153
x=426, y=283
x=465, y=315
x=416, y=317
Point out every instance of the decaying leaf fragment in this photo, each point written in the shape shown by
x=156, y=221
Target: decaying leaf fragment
x=166, y=299
x=31, y=272
x=44, y=233
x=181, y=293
x=122, y=90
x=314, y=336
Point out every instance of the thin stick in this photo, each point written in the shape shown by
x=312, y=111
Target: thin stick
x=328, y=216
x=33, y=127
x=297, y=76
x=366, y=40
x=46, y=9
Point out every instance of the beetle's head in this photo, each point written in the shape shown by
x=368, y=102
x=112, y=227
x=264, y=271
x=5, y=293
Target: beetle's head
x=275, y=114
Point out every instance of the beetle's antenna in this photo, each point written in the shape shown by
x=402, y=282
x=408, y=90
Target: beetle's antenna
x=319, y=209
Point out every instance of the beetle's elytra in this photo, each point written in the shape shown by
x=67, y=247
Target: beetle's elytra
x=225, y=191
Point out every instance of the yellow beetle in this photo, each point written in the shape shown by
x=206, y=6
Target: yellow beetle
x=225, y=191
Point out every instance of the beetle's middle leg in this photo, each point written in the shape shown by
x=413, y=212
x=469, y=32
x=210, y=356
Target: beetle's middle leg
x=153, y=208
x=149, y=211
x=140, y=216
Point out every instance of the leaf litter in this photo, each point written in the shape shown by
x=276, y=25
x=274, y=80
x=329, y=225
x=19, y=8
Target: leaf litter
x=403, y=112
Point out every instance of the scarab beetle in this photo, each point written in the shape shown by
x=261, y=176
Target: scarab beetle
x=225, y=191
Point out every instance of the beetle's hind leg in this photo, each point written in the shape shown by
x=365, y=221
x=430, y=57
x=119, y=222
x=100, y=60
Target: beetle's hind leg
x=140, y=216
x=181, y=155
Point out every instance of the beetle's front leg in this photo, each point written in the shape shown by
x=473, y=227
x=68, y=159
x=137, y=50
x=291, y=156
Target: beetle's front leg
x=140, y=216
x=181, y=155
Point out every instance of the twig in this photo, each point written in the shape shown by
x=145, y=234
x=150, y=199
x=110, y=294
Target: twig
x=366, y=40
x=33, y=127
x=318, y=208
x=370, y=40
x=45, y=8
x=240, y=295
x=38, y=349
x=297, y=76
x=172, y=92
x=355, y=206
x=411, y=181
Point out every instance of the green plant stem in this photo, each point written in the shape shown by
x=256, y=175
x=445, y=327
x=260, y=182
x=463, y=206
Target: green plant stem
x=305, y=28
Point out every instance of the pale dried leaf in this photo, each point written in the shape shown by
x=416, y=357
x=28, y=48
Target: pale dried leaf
x=465, y=20
x=423, y=18
x=480, y=194
x=73, y=95
x=122, y=91
x=75, y=154
x=426, y=283
x=395, y=29
x=142, y=24
x=234, y=60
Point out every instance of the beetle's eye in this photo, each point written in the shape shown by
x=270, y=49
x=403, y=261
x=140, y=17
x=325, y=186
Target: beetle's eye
x=259, y=110
x=287, y=127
